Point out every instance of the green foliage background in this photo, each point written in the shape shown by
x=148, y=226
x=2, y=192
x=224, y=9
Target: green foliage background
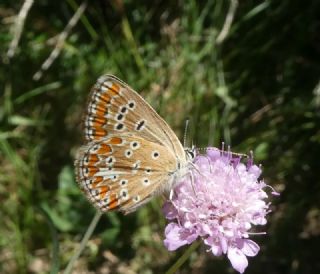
x=259, y=90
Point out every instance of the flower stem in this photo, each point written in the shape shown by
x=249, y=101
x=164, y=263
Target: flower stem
x=84, y=241
x=173, y=269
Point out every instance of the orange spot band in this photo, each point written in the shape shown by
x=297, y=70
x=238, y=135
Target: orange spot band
x=100, y=132
x=97, y=180
x=114, y=90
x=103, y=191
x=104, y=149
x=92, y=171
x=113, y=202
x=115, y=141
x=105, y=97
x=93, y=159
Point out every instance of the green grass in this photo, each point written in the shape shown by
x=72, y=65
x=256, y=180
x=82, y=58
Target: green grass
x=256, y=91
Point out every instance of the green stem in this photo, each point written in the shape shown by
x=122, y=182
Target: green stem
x=173, y=269
x=84, y=241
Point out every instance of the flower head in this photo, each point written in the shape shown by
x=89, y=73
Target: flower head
x=219, y=202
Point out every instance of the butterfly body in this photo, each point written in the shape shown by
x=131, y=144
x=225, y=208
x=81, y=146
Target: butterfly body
x=131, y=153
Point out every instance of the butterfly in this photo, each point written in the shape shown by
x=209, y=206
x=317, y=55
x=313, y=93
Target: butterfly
x=131, y=154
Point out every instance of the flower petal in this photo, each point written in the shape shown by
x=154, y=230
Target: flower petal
x=169, y=210
x=238, y=260
x=176, y=237
x=250, y=248
x=214, y=247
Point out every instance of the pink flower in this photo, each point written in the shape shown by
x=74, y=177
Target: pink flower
x=219, y=202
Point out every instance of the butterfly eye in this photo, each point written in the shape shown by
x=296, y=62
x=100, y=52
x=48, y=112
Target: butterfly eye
x=190, y=153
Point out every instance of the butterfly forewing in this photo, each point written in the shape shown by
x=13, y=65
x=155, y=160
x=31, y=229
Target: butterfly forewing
x=131, y=153
x=115, y=108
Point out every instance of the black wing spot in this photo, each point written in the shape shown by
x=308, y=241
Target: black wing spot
x=119, y=126
x=155, y=154
x=128, y=153
x=131, y=104
x=140, y=125
x=120, y=117
x=123, y=109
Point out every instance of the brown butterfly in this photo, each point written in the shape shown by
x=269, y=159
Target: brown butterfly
x=131, y=153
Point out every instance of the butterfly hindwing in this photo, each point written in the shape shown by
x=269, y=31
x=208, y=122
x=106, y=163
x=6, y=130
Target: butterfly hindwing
x=124, y=171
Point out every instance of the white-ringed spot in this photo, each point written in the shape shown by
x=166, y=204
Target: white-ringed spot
x=94, y=148
x=134, y=145
x=131, y=104
x=124, y=194
x=148, y=170
x=146, y=181
x=155, y=155
x=136, y=199
x=123, y=109
x=110, y=160
x=119, y=127
x=114, y=178
x=128, y=153
x=120, y=117
x=123, y=182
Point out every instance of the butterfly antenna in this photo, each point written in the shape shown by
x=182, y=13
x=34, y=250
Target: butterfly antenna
x=185, y=133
